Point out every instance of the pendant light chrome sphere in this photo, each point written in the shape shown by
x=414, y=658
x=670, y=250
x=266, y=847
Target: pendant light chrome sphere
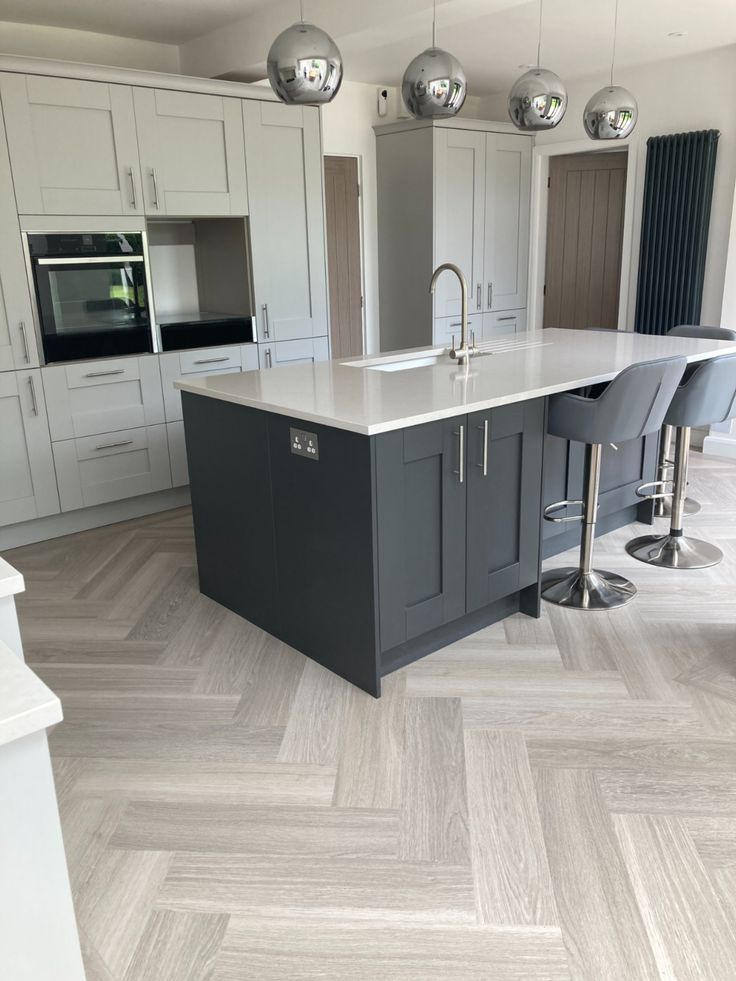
x=304, y=65
x=611, y=112
x=434, y=84
x=537, y=100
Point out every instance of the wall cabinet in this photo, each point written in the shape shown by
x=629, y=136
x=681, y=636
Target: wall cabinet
x=191, y=153
x=457, y=516
x=27, y=479
x=73, y=146
x=284, y=161
x=450, y=192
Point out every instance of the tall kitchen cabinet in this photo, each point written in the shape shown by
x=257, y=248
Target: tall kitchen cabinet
x=283, y=151
x=455, y=191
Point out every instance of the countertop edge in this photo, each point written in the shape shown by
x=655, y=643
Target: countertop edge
x=11, y=581
x=27, y=705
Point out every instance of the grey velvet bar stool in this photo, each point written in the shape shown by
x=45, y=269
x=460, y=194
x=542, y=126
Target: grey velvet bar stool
x=631, y=406
x=706, y=396
x=662, y=498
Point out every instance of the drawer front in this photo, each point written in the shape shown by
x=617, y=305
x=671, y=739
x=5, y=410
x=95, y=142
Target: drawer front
x=177, y=454
x=200, y=361
x=102, y=396
x=447, y=327
x=503, y=322
x=111, y=466
x=172, y=368
x=303, y=351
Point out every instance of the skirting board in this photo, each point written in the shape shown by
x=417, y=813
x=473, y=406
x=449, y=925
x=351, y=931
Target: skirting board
x=57, y=525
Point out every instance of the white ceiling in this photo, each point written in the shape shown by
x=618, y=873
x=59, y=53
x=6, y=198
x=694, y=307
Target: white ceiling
x=490, y=37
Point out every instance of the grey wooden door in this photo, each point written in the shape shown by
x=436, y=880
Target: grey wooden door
x=343, y=256
x=421, y=505
x=587, y=194
x=504, y=500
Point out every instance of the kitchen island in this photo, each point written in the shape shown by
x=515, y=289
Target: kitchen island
x=370, y=511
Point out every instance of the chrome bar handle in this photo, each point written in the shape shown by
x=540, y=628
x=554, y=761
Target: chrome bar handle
x=155, y=187
x=484, y=465
x=266, y=330
x=478, y=300
x=460, y=433
x=24, y=338
x=34, y=403
x=268, y=358
x=511, y=317
x=212, y=360
x=490, y=295
x=103, y=374
x=111, y=446
x=133, y=199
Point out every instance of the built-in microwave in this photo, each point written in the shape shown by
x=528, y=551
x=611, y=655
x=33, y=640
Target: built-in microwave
x=91, y=294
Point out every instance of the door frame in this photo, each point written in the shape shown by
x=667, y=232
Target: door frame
x=361, y=236
x=538, y=226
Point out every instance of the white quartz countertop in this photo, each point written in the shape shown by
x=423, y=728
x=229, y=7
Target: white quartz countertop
x=352, y=395
x=26, y=704
x=11, y=581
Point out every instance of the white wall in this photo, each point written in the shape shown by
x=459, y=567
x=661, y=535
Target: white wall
x=35, y=41
x=679, y=95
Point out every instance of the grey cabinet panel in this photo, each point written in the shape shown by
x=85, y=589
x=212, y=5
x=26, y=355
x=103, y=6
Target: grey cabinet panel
x=504, y=490
x=420, y=520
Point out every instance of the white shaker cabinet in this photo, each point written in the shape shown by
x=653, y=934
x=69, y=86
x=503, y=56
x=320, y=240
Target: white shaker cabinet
x=27, y=479
x=283, y=154
x=73, y=146
x=506, y=222
x=18, y=347
x=191, y=153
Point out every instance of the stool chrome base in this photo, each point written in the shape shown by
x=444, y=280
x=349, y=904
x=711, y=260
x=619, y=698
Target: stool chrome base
x=663, y=508
x=674, y=552
x=595, y=590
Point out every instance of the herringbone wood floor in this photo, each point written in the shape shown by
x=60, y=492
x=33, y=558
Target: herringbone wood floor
x=545, y=800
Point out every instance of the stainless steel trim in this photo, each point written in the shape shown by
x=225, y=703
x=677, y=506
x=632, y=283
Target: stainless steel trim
x=268, y=359
x=110, y=446
x=24, y=338
x=213, y=360
x=90, y=260
x=34, y=403
x=155, y=187
x=460, y=433
x=490, y=295
x=100, y=374
x=32, y=292
x=484, y=465
x=133, y=201
x=478, y=300
x=266, y=329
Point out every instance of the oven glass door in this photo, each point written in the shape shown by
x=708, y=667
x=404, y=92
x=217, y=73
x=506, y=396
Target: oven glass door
x=92, y=307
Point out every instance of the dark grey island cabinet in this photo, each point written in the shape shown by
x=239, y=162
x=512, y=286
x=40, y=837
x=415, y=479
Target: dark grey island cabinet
x=377, y=549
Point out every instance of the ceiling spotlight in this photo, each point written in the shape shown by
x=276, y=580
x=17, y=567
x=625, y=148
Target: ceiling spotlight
x=538, y=99
x=304, y=65
x=611, y=112
x=434, y=84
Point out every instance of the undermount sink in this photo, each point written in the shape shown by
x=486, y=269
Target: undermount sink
x=398, y=363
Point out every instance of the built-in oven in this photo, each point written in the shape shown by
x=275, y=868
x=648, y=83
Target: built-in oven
x=91, y=293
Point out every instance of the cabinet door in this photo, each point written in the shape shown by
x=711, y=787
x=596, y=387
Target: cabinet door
x=27, y=479
x=73, y=146
x=192, y=153
x=305, y=351
x=504, y=500
x=445, y=328
x=420, y=502
x=507, y=200
x=284, y=159
x=459, y=193
x=503, y=323
x=17, y=336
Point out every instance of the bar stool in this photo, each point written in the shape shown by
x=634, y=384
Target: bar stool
x=707, y=396
x=632, y=405
x=663, y=499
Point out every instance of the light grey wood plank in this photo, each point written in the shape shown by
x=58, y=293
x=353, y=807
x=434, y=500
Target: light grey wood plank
x=168, y=611
x=715, y=840
x=139, y=679
x=689, y=932
x=339, y=888
x=270, y=950
x=684, y=792
x=512, y=880
x=177, y=947
x=473, y=680
x=228, y=826
x=269, y=689
x=105, y=707
x=434, y=807
x=601, y=924
x=317, y=718
x=637, y=754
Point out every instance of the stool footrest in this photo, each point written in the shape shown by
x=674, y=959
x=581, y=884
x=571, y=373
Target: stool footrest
x=552, y=509
x=641, y=490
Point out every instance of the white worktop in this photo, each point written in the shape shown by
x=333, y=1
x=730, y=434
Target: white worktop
x=352, y=395
x=26, y=704
x=11, y=581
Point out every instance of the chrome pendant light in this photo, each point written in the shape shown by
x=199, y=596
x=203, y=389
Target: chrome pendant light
x=538, y=100
x=611, y=113
x=304, y=65
x=434, y=84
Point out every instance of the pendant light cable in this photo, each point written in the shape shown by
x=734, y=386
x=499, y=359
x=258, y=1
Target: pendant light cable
x=434, y=23
x=301, y=10
x=615, y=31
x=539, y=38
